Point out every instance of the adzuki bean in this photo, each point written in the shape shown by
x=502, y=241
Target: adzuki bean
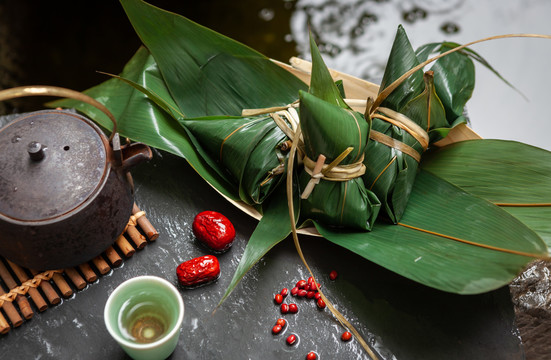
x=311, y=356
x=346, y=336
x=291, y=339
x=276, y=329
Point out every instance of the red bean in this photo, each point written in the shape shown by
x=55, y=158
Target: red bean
x=278, y=299
x=276, y=329
x=284, y=292
x=346, y=336
x=284, y=308
x=301, y=284
x=302, y=293
x=294, y=291
x=291, y=339
x=311, y=282
x=281, y=322
x=310, y=294
x=311, y=356
x=333, y=275
x=293, y=308
x=321, y=303
x=317, y=296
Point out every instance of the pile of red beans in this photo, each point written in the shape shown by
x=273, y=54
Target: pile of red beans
x=307, y=289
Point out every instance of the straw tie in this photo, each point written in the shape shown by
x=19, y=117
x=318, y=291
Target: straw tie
x=23, y=289
x=403, y=122
x=332, y=172
x=133, y=221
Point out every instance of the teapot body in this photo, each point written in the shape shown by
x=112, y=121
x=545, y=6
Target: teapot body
x=65, y=191
x=75, y=237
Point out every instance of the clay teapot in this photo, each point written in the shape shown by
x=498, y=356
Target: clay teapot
x=66, y=193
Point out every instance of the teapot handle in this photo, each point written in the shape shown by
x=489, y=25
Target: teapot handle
x=45, y=90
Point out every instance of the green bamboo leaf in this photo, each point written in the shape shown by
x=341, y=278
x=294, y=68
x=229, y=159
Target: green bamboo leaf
x=427, y=110
x=454, y=78
x=329, y=129
x=140, y=119
x=322, y=84
x=500, y=245
x=273, y=227
x=401, y=59
x=502, y=172
x=208, y=73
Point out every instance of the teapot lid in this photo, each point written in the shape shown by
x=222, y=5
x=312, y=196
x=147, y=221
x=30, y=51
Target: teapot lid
x=51, y=161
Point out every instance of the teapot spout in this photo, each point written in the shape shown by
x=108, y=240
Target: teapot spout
x=134, y=154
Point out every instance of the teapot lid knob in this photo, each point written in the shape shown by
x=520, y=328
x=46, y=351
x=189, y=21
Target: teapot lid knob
x=36, y=150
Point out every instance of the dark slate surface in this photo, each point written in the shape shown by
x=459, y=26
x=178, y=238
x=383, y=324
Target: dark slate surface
x=401, y=319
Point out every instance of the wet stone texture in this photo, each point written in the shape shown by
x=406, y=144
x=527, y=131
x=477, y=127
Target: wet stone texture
x=531, y=296
x=399, y=318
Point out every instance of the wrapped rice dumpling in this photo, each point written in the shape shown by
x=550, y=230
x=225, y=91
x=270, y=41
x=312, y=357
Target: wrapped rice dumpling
x=408, y=120
x=247, y=149
x=340, y=198
x=334, y=136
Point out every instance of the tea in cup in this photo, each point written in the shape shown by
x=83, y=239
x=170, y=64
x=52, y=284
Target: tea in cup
x=144, y=315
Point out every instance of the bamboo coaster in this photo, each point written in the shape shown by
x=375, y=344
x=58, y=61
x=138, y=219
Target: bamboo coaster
x=75, y=278
x=4, y=326
x=11, y=312
x=144, y=224
x=38, y=300
x=126, y=248
x=113, y=257
x=22, y=301
x=88, y=273
x=52, y=283
x=48, y=290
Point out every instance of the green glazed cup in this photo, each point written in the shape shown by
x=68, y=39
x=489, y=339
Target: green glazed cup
x=144, y=315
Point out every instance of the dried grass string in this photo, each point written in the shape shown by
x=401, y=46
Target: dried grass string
x=289, y=185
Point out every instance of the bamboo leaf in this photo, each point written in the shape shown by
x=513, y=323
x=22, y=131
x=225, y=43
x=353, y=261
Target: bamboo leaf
x=322, y=84
x=445, y=263
x=140, y=119
x=427, y=110
x=273, y=227
x=401, y=59
x=502, y=172
x=208, y=73
x=454, y=78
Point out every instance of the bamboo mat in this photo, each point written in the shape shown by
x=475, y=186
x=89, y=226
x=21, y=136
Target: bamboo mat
x=24, y=291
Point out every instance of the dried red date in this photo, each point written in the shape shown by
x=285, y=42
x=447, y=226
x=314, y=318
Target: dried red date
x=198, y=271
x=214, y=230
